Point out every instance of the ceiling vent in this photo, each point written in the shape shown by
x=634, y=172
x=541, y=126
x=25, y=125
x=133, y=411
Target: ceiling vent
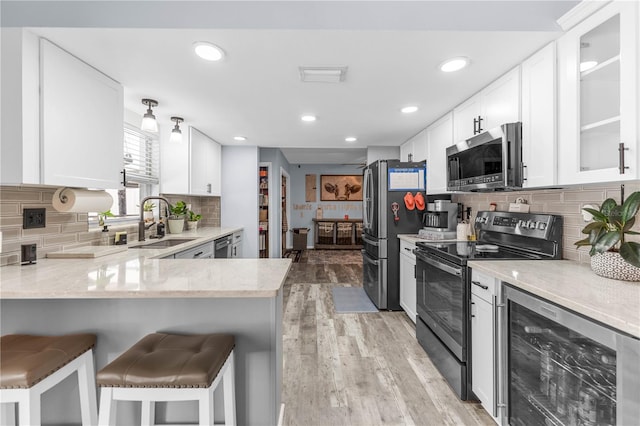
x=322, y=74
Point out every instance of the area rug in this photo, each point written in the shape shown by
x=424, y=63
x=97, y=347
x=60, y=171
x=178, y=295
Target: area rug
x=351, y=300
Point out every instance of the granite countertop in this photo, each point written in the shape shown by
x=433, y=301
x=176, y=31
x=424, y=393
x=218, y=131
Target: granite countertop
x=140, y=273
x=575, y=286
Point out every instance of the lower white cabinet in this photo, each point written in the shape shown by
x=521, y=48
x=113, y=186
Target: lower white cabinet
x=203, y=251
x=408, y=279
x=484, y=341
x=236, y=248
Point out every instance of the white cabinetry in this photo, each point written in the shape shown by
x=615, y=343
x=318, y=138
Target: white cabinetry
x=408, y=279
x=82, y=114
x=236, y=249
x=191, y=167
x=496, y=104
x=204, y=167
x=539, y=118
x=484, y=341
x=598, y=97
x=416, y=146
x=439, y=138
x=62, y=120
x=203, y=251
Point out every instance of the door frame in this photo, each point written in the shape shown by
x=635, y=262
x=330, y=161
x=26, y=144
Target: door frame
x=289, y=237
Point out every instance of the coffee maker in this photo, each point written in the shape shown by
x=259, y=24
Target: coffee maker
x=440, y=220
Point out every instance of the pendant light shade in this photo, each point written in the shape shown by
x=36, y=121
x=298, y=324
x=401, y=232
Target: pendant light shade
x=149, y=123
x=176, y=133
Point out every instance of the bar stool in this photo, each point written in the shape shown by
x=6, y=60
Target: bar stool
x=31, y=365
x=170, y=367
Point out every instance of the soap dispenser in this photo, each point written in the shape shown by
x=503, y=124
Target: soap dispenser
x=104, y=240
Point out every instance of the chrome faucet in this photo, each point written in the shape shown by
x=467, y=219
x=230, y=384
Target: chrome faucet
x=141, y=225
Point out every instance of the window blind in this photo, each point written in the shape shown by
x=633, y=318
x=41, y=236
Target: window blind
x=141, y=157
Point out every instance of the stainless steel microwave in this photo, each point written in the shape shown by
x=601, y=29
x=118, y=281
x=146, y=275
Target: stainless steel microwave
x=490, y=161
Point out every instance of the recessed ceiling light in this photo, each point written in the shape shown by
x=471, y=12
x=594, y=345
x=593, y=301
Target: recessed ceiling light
x=350, y=139
x=409, y=109
x=308, y=118
x=587, y=65
x=208, y=51
x=454, y=64
x=240, y=138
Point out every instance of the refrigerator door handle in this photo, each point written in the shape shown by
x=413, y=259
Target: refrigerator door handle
x=366, y=200
x=370, y=241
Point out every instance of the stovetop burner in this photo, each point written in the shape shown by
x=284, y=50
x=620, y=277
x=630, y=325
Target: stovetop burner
x=503, y=235
x=474, y=250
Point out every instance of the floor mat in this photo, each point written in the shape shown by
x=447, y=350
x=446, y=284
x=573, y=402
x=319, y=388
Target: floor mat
x=351, y=300
x=293, y=254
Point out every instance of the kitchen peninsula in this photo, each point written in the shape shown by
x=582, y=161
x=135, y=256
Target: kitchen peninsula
x=124, y=296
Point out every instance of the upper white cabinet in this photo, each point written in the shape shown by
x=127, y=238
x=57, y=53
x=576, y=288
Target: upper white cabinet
x=204, y=166
x=191, y=167
x=597, y=97
x=496, y=104
x=416, y=146
x=539, y=118
x=439, y=138
x=62, y=120
x=81, y=121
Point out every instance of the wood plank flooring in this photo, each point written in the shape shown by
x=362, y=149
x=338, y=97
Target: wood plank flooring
x=357, y=369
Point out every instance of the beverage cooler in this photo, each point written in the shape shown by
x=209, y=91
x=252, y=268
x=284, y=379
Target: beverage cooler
x=564, y=369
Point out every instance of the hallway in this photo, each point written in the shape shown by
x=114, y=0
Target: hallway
x=357, y=369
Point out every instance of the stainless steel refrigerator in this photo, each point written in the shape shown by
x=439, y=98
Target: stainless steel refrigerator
x=385, y=215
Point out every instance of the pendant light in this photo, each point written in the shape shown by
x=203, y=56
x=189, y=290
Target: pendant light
x=149, y=123
x=176, y=133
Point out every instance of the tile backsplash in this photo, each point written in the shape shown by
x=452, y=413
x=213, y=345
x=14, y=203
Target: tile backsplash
x=567, y=202
x=67, y=230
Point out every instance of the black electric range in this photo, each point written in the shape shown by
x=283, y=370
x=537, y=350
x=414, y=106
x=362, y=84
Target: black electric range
x=443, y=280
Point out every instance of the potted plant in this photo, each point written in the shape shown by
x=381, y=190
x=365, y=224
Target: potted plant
x=192, y=220
x=176, y=217
x=611, y=255
x=148, y=211
x=102, y=221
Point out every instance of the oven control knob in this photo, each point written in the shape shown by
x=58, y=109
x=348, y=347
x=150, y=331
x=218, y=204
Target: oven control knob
x=542, y=226
x=532, y=225
x=521, y=224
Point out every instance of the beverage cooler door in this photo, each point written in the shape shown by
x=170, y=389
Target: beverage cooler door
x=563, y=369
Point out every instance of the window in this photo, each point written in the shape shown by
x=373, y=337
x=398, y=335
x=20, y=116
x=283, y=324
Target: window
x=141, y=171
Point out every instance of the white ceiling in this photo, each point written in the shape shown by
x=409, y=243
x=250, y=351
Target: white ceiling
x=392, y=51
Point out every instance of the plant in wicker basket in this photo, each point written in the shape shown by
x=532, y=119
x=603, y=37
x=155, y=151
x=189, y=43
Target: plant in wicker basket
x=606, y=235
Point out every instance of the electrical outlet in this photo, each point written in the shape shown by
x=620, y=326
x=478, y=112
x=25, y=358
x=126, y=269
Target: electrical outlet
x=586, y=216
x=34, y=218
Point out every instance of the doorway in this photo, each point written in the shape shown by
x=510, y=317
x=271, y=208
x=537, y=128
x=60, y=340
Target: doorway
x=285, y=206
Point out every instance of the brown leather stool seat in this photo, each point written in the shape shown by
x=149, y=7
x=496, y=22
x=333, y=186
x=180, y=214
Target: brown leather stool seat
x=169, y=361
x=25, y=360
x=32, y=365
x=171, y=367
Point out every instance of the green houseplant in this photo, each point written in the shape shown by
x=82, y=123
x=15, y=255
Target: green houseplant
x=612, y=256
x=177, y=216
x=148, y=211
x=192, y=220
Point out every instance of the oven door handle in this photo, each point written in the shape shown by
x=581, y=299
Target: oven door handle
x=450, y=269
x=368, y=259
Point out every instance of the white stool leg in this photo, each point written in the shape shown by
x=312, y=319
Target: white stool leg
x=205, y=407
x=29, y=409
x=148, y=413
x=87, y=387
x=107, y=415
x=229, y=386
x=8, y=414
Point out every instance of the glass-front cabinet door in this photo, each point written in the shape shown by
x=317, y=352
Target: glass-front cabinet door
x=598, y=96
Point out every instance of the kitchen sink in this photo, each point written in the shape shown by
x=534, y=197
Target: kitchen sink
x=163, y=243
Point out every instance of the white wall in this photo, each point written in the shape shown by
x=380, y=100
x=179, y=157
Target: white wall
x=302, y=212
x=239, y=198
x=375, y=153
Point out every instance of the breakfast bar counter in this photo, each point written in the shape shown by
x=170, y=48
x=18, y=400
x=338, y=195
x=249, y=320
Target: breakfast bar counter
x=124, y=296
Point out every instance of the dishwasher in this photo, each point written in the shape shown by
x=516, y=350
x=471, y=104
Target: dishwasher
x=223, y=247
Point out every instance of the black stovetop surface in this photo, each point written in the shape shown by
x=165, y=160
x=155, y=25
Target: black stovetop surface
x=462, y=251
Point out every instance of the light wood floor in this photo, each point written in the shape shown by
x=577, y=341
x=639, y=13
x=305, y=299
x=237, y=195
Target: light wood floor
x=357, y=369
